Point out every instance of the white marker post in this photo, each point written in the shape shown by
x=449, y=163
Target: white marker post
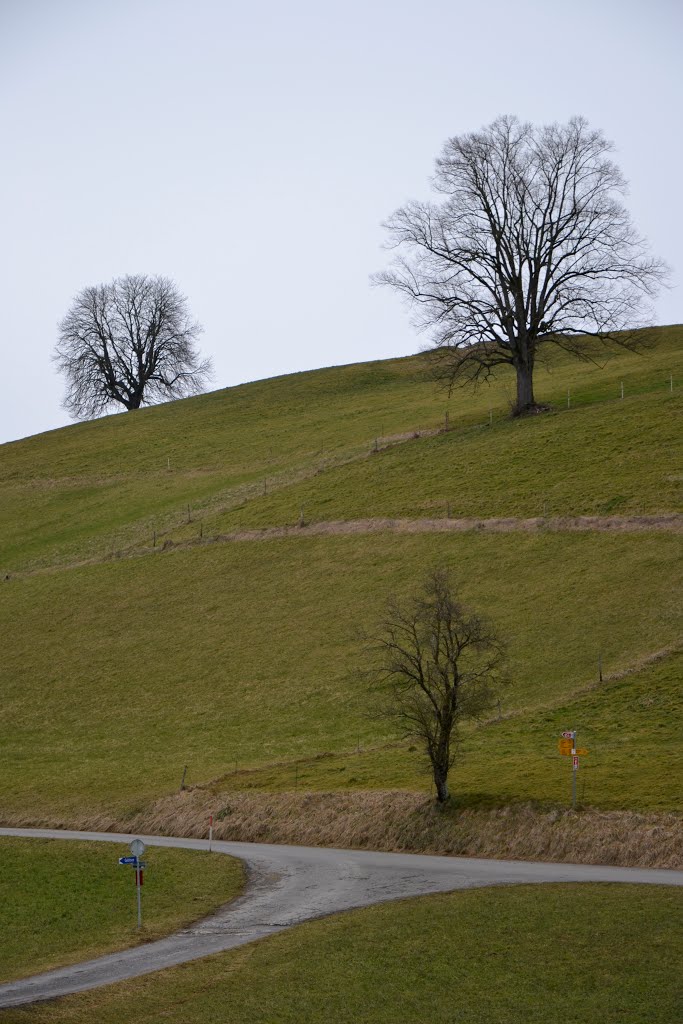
x=210, y=831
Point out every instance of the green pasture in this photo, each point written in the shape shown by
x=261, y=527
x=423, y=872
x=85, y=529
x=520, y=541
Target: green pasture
x=116, y=676
x=630, y=726
x=614, y=458
x=66, y=901
x=92, y=490
x=238, y=658
x=527, y=954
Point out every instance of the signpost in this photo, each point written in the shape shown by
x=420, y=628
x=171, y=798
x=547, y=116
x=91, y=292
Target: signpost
x=210, y=831
x=571, y=736
x=567, y=746
x=137, y=848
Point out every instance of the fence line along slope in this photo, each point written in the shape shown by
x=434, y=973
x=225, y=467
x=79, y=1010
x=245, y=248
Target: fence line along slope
x=202, y=464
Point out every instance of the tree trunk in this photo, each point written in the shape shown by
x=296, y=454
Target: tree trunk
x=525, y=387
x=441, y=783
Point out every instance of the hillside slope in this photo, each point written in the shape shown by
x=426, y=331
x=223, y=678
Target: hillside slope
x=94, y=489
x=239, y=660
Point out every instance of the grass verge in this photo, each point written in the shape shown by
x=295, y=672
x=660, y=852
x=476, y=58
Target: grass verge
x=63, y=901
x=411, y=822
x=519, y=955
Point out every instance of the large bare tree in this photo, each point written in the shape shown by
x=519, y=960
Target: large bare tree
x=129, y=342
x=528, y=245
x=441, y=663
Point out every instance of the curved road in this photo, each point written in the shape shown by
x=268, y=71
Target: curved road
x=290, y=884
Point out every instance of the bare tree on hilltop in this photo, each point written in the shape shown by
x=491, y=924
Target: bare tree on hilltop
x=529, y=245
x=129, y=342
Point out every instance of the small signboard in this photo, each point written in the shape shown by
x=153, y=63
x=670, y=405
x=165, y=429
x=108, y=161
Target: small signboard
x=568, y=735
x=565, y=746
x=128, y=860
x=575, y=762
x=582, y=750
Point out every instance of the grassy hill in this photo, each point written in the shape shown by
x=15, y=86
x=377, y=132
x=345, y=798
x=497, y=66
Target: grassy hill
x=95, y=488
x=239, y=660
x=122, y=673
x=626, y=452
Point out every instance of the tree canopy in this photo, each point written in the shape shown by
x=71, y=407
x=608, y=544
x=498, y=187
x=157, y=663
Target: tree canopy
x=441, y=663
x=128, y=342
x=529, y=244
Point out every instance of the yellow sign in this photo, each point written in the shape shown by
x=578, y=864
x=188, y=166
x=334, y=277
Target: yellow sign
x=565, y=746
x=583, y=751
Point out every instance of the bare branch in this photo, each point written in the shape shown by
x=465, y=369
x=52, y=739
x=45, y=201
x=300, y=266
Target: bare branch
x=129, y=342
x=440, y=664
x=528, y=245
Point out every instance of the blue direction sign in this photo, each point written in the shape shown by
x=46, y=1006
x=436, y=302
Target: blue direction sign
x=128, y=860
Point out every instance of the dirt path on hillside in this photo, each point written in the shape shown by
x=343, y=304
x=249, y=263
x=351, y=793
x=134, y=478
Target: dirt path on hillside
x=670, y=523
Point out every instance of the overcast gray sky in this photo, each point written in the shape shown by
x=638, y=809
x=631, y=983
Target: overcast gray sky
x=251, y=150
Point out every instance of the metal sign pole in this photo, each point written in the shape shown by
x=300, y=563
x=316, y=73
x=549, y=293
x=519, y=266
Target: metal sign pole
x=567, y=746
x=137, y=848
x=137, y=886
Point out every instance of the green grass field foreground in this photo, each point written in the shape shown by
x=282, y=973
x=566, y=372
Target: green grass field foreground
x=66, y=901
x=518, y=955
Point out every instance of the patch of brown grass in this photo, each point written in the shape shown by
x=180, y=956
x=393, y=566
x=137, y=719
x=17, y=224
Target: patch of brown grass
x=670, y=522
x=409, y=822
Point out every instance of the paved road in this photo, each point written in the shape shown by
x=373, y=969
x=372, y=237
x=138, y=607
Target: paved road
x=290, y=884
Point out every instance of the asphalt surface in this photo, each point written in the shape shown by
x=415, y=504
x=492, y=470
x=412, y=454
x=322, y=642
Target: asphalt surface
x=290, y=884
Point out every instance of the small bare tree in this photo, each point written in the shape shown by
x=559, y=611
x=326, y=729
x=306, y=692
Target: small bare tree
x=529, y=245
x=441, y=664
x=129, y=342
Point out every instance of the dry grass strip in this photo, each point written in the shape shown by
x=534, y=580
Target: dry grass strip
x=670, y=523
x=662, y=523
x=408, y=822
